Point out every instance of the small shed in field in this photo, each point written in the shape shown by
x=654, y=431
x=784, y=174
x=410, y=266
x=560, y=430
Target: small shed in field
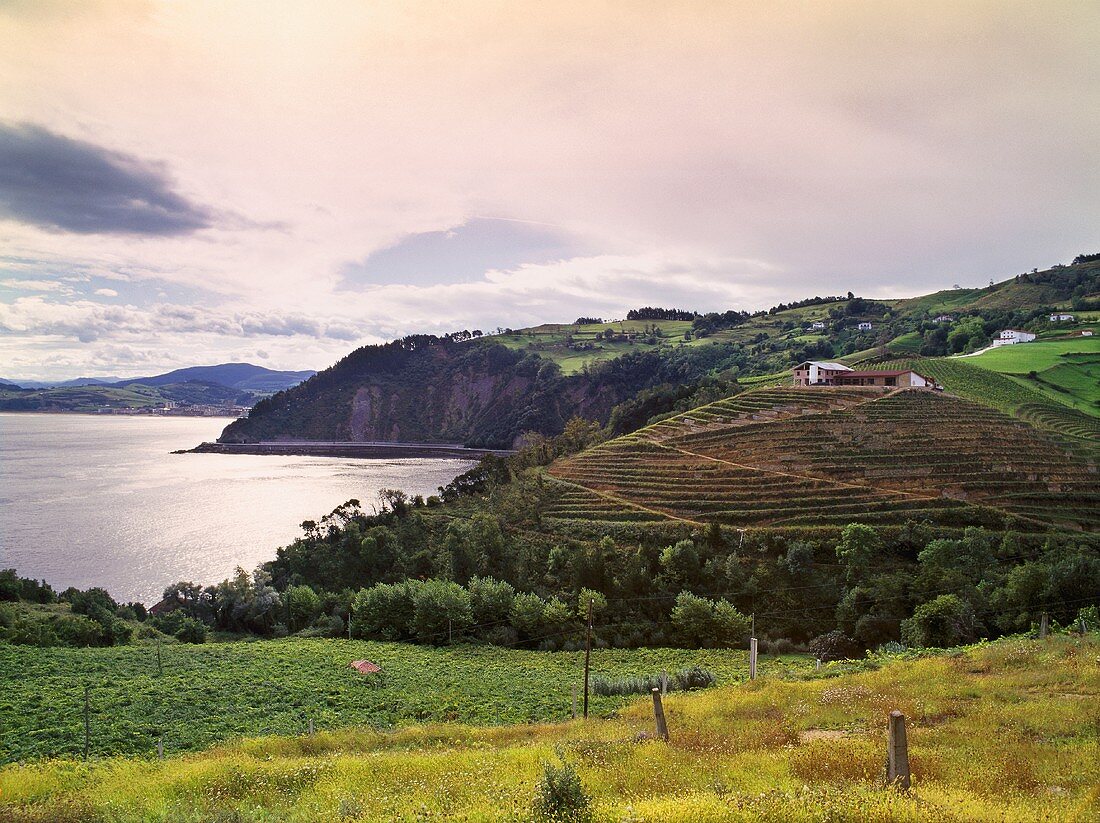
x=365, y=667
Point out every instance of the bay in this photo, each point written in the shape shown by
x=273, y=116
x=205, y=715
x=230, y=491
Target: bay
x=90, y=500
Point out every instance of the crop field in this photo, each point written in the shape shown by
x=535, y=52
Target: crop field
x=214, y=692
x=998, y=732
x=795, y=457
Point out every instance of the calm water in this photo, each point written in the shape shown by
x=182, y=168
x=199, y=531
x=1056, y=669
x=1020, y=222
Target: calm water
x=100, y=501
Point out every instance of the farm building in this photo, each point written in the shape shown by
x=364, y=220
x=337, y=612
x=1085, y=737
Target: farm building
x=817, y=324
x=865, y=326
x=901, y=378
x=1059, y=318
x=944, y=318
x=817, y=373
x=820, y=373
x=1011, y=336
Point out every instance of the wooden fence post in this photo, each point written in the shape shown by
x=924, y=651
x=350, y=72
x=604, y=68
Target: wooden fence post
x=311, y=727
x=752, y=658
x=587, y=656
x=574, y=700
x=1044, y=625
x=897, y=752
x=659, y=715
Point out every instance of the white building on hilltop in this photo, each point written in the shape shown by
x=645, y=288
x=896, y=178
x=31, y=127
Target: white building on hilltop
x=1060, y=318
x=1011, y=336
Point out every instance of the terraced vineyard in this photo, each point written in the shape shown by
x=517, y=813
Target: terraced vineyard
x=1004, y=393
x=793, y=457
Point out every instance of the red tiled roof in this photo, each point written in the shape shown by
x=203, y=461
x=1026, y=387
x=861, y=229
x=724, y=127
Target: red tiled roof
x=365, y=667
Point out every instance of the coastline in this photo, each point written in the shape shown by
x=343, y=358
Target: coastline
x=374, y=450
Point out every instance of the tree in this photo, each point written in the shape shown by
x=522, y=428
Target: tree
x=441, y=612
x=526, y=614
x=941, y=623
x=858, y=546
x=693, y=620
x=490, y=600
x=679, y=565
x=385, y=610
x=303, y=606
x=731, y=627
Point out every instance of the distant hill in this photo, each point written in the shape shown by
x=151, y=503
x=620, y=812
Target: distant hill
x=243, y=376
x=226, y=385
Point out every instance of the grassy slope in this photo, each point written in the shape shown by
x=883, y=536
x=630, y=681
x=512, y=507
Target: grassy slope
x=1067, y=370
x=214, y=692
x=1003, y=732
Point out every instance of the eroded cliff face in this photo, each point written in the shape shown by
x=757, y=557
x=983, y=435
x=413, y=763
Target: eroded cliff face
x=477, y=394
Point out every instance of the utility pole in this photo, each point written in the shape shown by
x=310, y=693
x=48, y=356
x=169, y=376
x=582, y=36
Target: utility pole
x=87, y=721
x=587, y=656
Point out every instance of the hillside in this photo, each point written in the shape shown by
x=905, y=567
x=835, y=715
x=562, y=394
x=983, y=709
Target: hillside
x=131, y=396
x=230, y=384
x=471, y=391
x=787, y=457
x=776, y=749
x=490, y=390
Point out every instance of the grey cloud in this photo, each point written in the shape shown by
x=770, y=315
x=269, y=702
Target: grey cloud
x=58, y=183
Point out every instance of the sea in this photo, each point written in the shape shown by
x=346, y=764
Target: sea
x=100, y=500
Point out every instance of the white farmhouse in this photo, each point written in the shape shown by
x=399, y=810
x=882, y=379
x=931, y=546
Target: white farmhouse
x=817, y=324
x=944, y=318
x=1010, y=336
x=1061, y=318
x=865, y=326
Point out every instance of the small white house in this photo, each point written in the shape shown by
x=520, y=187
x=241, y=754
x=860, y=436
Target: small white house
x=1061, y=318
x=865, y=326
x=1010, y=336
x=817, y=324
x=944, y=318
x=1086, y=333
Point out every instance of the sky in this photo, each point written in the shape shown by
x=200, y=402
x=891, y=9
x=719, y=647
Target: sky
x=188, y=183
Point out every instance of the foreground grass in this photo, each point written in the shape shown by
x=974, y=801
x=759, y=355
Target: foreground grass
x=1007, y=731
x=206, y=694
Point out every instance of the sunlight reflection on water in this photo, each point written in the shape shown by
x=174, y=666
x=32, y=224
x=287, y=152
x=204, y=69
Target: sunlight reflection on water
x=100, y=501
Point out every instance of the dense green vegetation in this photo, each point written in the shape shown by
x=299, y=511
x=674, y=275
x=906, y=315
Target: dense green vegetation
x=777, y=750
x=195, y=696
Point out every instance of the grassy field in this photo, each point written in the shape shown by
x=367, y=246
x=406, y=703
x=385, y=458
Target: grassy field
x=1002, y=732
x=783, y=457
x=214, y=692
x=1066, y=371
x=551, y=341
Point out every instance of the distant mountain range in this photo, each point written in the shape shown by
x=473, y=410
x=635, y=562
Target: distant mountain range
x=226, y=388
x=243, y=376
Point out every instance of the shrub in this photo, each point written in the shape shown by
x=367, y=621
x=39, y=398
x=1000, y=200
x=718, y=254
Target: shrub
x=560, y=796
x=941, y=623
x=834, y=645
